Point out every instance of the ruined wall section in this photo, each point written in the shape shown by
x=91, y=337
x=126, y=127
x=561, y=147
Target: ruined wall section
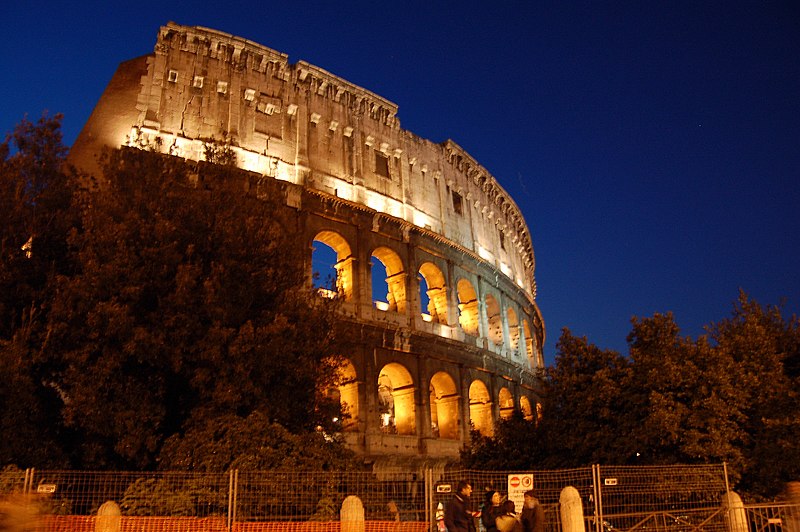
x=300, y=123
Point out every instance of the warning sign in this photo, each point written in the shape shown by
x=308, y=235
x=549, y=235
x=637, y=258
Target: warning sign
x=518, y=484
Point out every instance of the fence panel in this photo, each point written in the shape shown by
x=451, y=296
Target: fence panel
x=675, y=498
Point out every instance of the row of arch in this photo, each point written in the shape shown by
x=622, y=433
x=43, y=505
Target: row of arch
x=396, y=402
x=494, y=318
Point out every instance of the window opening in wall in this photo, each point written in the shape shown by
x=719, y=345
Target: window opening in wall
x=529, y=344
x=222, y=87
x=525, y=407
x=331, y=265
x=380, y=295
x=323, y=264
x=444, y=402
x=506, y=404
x=348, y=396
x=381, y=164
x=480, y=409
x=433, y=294
x=495, y=320
x=457, y=203
x=388, y=281
x=467, y=307
x=502, y=240
x=396, y=410
x=424, y=299
x=172, y=76
x=198, y=82
x=513, y=330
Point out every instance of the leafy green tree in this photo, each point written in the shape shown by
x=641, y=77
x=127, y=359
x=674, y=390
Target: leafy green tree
x=689, y=411
x=190, y=301
x=514, y=446
x=252, y=443
x=36, y=217
x=763, y=347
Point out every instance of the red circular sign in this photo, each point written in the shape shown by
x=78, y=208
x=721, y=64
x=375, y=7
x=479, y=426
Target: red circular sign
x=514, y=481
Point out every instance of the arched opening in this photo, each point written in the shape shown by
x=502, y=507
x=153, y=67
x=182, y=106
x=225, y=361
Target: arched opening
x=525, y=408
x=529, y=344
x=332, y=265
x=388, y=280
x=480, y=408
x=513, y=329
x=396, y=400
x=433, y=293
x=506, y=403
x=444, y=407
x=467, y=308
x=494, y=319
x=348, y=396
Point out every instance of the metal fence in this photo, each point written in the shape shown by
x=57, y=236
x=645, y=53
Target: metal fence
x=668, y=498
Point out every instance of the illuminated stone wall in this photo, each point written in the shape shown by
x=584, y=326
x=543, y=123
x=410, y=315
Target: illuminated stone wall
x=419, y=373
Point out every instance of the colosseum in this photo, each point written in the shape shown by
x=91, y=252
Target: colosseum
x=432, y=258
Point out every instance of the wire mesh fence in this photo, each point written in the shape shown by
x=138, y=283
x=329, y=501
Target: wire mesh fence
x=668, y=498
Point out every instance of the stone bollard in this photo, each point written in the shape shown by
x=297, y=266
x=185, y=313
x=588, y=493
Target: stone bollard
x=108, y=518
x=571, y=511
x=352, y=515
x=735, y=515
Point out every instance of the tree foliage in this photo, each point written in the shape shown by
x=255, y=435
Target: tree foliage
x=730, y=395
x=167, y=293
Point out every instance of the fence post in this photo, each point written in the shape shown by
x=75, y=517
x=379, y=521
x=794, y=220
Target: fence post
x=233, y=487
x=428, y=496
x=597, y=509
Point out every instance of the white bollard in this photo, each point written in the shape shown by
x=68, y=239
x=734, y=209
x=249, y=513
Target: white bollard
x=571, y=511
x=735, y=515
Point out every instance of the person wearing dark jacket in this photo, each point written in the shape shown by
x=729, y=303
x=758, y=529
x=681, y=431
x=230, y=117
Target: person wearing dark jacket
x=532, y=513
x=491, y=510
x=458, y=515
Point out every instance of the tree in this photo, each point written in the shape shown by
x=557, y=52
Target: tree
x=36, y=217
x=514, y=446
x=190, y=301
x=763, y=349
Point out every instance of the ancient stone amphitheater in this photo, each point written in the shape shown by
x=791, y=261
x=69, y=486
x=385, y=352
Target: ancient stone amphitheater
x=432, y=258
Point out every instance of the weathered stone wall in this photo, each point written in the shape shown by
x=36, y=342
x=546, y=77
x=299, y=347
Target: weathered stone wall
x=369, y=189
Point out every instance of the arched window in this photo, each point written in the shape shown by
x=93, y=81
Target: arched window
x=433, y=293
x=388, y=280
x=480, y=408
x=348, y=396
x=506, y=403
x=396, y=400
x=444, y=407
x=513, y=329
x=468, y=316
x=529, y=344
x=332, y=265
x=525, y=407
x=495, y=320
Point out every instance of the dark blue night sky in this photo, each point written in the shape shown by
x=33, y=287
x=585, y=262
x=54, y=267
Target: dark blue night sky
x=653, y=147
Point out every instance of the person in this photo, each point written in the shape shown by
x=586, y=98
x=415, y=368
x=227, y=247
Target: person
x=508, y=521
x=458, y=515
x=491, y=510
x=532, y=513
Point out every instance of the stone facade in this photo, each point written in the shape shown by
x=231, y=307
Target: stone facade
x=453, y=337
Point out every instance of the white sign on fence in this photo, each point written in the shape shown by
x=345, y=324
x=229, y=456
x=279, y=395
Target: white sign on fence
x=518, y=484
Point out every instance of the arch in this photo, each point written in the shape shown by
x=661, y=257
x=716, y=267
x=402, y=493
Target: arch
x=494, y=320
x=513, y=329
x=325, y=246
x=529, y=343
x=525, y=408
x=468, y=316
x=436, y=292
x=347, y=385
x=388, y=266
x=506, y=401
x=480, y=408
x=396, y=400
x=444, y=407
